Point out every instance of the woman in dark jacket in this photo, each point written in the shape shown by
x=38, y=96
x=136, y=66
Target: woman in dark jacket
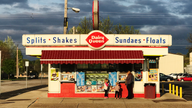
x=129, y=83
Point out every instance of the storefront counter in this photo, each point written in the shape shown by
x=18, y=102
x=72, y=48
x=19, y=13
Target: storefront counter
x=68, y=90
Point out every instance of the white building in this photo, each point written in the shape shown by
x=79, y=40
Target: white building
x=171, y=63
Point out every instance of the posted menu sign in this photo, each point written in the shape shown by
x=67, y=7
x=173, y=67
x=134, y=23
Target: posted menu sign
x=113, y=78
x=80, y=78
x=153, y=75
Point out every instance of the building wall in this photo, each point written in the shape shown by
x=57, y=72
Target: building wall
x=171, y=63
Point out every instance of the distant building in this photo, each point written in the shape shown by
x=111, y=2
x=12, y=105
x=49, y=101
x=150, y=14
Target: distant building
x=188, y=69
x=171, y=63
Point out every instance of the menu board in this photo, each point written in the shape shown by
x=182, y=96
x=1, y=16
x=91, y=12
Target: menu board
x=112, y=78
x=138, y=76
x=153, y=75
x=80, y=76
x=95, y=77
x=54, y=74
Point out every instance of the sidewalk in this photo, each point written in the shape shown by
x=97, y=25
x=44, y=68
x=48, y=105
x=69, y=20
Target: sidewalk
x=38, y=99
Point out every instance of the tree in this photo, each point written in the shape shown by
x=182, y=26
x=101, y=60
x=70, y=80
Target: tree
x=8, y=66
x=20, y=58
x=37, y=66
x=45, y=68
x=4, y=51
x=12, y=47
x=84, y=27
x=105, y=25
x=120, y=29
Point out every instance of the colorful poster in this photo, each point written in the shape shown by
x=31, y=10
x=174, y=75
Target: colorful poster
x=153, y=75
x=112, y=89
x=152, y=61
x=54, y=74
x=138, y=76
x=71, y=77
x=100, y=88
x=112, y=78
x=80, y=78
x=94, y=88
x=65, y=77
x=122, y=77
x=89, y=88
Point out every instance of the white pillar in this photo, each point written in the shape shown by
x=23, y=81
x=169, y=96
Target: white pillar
x=145, y=71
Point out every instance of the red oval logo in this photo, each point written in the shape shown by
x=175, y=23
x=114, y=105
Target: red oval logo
x=96, y=39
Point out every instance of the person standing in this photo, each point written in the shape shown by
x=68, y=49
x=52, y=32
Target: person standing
x=129, y=83
x=106, y=88
x=117, y=88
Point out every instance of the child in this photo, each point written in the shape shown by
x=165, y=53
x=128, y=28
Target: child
x=117, y=88
x=106, y=84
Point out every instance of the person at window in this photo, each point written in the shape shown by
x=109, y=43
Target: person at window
x=129, y=84
x=106, y=88
x=117, y=88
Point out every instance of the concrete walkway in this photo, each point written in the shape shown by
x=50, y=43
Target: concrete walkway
x=38, y=99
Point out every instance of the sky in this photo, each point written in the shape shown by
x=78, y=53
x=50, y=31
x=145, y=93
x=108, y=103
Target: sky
x=18, y=17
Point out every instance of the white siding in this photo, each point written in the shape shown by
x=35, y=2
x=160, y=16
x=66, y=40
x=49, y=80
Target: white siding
x=171, y=63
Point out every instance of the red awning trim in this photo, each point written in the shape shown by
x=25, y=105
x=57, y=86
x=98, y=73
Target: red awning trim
x=91, y=56
x=85, y=59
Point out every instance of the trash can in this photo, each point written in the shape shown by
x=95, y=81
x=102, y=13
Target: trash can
x=150, y=90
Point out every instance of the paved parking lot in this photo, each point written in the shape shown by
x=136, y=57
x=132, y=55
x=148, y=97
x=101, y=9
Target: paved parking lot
x=186, y=86
x=38, y=99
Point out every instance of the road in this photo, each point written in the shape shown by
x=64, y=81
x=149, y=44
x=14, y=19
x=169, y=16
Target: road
x=7, y=86
x=14, y=88
x=186, y=86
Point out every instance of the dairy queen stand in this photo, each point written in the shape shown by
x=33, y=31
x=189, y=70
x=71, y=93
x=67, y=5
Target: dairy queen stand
x=79, y=63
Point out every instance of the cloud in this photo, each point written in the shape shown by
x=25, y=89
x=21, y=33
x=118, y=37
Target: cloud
x=23, y=6
x=10, y=2
x=149, y=16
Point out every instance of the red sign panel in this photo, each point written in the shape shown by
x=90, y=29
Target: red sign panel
x=96, y=39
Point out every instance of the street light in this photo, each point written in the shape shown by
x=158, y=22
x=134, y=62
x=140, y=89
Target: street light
x=65, y=17
x=75, y=9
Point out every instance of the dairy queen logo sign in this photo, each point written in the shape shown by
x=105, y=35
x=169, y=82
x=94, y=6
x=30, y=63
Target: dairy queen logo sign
x=96, y=39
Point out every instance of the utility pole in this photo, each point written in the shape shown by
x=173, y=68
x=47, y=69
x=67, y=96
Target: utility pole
x=73, y=29
x=17, y=63
x=65, y=19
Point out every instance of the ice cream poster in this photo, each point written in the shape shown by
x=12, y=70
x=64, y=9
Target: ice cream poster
x=138, y=76
x=54, y=75
x=80, y=78
x=112, y=78
x=153, y=75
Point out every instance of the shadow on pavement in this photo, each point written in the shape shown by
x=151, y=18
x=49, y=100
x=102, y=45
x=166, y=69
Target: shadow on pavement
x=7, y=95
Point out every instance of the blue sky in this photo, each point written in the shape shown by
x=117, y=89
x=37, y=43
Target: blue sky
x=173, y=17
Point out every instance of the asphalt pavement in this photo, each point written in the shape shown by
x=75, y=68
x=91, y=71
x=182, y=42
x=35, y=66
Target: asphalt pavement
x=38, y=99
x=186, y=88
x=14, y=88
